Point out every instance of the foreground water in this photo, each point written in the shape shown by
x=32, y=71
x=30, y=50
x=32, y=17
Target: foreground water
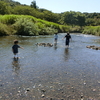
x=50, y=73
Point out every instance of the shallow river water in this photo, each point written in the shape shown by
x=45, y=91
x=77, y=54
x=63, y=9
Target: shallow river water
x=50, y=73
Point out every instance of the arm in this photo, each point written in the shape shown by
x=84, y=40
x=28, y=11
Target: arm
x=64, y=37
x=21, y=47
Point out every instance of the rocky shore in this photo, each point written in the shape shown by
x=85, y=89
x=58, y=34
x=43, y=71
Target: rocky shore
x=93, y=47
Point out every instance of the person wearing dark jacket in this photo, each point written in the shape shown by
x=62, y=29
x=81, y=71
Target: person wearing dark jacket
x=15, y=48
x=68, y=37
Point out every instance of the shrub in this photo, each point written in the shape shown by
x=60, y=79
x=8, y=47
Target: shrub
x=5, y=30
x=28, y=25
x=25, y=26
x=8, y=19
x=49, y=30
x=93, y=30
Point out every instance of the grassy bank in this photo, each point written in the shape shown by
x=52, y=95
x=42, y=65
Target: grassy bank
x=31, y=26
x=28, y=25
x=93, y=30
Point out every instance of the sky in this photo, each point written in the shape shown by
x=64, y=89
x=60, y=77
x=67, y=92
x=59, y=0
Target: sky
x=59, y=6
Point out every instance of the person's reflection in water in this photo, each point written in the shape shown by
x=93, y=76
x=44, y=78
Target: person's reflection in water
x=55, y=45
x=16, y=66
x=66, y=54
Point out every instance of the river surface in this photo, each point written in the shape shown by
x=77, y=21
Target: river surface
x=50, y=73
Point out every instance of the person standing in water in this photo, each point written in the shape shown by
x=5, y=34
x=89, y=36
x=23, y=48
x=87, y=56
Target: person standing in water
x=55, y=37
x=68, y=37
x=15, y=49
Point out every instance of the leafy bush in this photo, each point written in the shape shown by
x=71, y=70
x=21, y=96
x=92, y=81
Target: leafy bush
x=5, y=30
x=46, y=29
x=28, y=25
x=49, y=30
x=93, y=30
x=8, y=19
x=25, y=26
x=63, y=28
x=4, y=8
x=75, y=29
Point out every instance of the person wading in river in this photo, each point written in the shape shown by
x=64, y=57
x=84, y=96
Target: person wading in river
x=55, y=37
x=15, y=49
x=68, y=37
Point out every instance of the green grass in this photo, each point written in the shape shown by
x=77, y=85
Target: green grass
x=28, y=25
x=93, y=30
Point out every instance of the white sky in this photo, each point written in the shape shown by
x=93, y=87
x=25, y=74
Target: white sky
x=58, y=6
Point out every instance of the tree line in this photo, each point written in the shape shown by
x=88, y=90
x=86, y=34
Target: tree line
x=76, y=20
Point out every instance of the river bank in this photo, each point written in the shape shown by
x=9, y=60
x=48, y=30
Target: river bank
x=50, y=73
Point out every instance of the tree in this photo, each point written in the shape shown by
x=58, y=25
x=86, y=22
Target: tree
x=69, y=18
x=81, y=20
x=25, y=10
x=90, y=21
x=4, y=8
x=33, y=4
x=49, y=16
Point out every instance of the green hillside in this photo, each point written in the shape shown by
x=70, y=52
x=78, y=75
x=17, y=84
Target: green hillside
x=28, y=25
x=24, y=19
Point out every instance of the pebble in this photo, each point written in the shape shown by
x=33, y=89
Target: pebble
x=42, y=95
x=18, y=91
x=43, y=90
x=0, y=97
x=84, y=83
x=94, y=90
x=99, y=82
x=34, y=86
x=40, y=85
x=28, y=89
x=81, y=96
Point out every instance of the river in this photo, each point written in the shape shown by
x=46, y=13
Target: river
x=50, y=73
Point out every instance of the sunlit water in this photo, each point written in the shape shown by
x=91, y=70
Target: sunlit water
x=50, y=73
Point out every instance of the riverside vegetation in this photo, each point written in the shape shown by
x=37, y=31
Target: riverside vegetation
x=21, y=19
x=28, y=25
